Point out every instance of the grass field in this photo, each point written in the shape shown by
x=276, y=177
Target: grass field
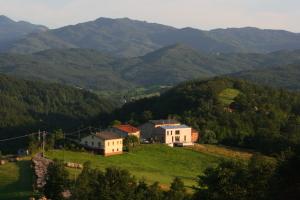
x=16, y=180
x=158, y=162
x=228, y=95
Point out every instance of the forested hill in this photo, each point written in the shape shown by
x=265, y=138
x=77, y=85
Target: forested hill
x=90, y=69
x=28, y=106
x=11, y=30
x=131, y=38
x=281, y=77
x=263, y=118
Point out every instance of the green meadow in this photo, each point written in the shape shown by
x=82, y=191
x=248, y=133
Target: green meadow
x=227, y=96
x=17, y=180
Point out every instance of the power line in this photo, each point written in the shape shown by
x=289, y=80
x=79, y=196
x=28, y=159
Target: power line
x=17, y=137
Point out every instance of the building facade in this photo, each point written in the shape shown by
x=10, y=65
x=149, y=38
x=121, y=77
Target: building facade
x=104, y=143
x=179, y=135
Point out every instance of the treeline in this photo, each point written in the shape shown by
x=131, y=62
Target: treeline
x=29, y=106
x=264, y=118
x=258, y=178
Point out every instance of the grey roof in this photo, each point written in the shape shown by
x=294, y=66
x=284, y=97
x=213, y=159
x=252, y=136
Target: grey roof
x=174, y=127
x=108, y=135
x=165, y=121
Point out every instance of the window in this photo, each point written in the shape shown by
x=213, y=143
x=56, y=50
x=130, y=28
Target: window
x=113, y=143
x=171, y=132
x=177, y=132
x=117, y=142
x=92, y=137
x=107, y=143
x=177, y=138
x=92, y=143
x=117, y=149
x=113, y=150
x=167, y=132
x=86, y=143
x=99, y=144
x=185, y=138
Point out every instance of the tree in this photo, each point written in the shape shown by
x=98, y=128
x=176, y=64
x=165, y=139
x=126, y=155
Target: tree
x=57, y=180
x=115, y=123
x=177, y=190
x=131, y=139
x=33, y=144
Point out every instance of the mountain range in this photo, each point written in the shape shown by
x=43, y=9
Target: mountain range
x=131, y=38
x=11, y=30
x=90, y=69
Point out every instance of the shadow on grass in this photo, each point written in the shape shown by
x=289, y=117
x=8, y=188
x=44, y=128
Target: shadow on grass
x=23, y=187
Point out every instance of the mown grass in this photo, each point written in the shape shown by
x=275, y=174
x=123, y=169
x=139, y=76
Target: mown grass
x=17, y=180
x=157, y=162
x=227, y=96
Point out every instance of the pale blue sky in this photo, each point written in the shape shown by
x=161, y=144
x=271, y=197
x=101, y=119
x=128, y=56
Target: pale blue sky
x=200, y=14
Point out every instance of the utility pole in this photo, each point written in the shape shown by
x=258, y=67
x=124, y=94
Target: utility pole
x=64, y=145
x=44, y=134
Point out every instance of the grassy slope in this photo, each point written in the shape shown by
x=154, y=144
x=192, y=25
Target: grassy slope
x=158, y=162
x=17, y=180
x=227, y=96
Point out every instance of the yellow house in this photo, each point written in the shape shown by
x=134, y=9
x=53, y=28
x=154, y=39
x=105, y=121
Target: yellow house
x=104, y=143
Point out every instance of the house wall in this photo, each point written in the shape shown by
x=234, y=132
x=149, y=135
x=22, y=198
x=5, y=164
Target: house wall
x=92, y=141
x=146, y=130
x=111, y=147
x=159, y=135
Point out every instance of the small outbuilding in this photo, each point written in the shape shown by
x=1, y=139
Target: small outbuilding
x=23, y=153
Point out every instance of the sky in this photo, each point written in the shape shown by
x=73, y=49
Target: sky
x=199, y=14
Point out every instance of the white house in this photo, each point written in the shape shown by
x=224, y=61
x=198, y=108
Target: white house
x=104, y=143
x=178, y=135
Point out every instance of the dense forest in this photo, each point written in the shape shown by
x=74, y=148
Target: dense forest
x=280, y=77
x=90, y=69
x=263, y=118
x=27, y=106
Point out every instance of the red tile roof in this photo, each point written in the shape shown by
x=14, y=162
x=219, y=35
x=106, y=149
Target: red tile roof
x=127, y=128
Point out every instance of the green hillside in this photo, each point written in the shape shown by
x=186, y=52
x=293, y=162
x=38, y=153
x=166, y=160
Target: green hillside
x=263, y=118
x=130, y=38
x=28, y=106
x=281, y=77
x=90, y=69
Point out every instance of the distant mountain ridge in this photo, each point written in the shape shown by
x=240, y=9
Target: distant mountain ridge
x=11, y=30
x=90, y=69
x=131, y=38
